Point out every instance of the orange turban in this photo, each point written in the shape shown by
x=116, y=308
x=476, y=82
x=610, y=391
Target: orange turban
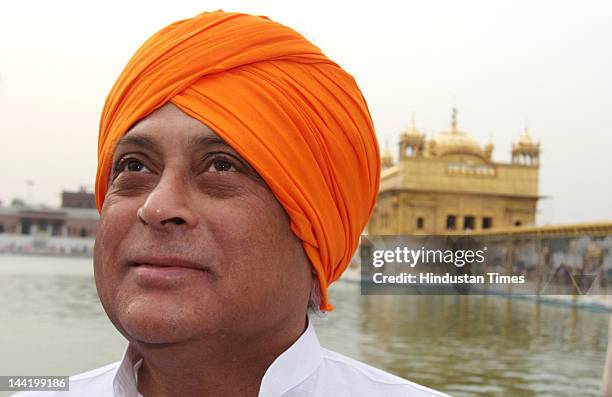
x=294, y=115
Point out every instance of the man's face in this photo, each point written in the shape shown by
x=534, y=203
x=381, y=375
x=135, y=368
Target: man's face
x=192, y=243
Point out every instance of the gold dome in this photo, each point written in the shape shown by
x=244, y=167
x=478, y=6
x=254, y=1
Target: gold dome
x=525, y=140
x=412, y=131
x=456, y=142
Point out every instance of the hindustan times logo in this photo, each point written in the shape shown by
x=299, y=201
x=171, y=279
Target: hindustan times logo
x=412, y=257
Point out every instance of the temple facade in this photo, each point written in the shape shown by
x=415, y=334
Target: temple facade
x=450, y=183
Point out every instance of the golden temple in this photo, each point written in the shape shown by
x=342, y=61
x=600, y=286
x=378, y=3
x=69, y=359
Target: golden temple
x=450, y=183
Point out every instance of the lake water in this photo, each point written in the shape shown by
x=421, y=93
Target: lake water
x=51, y=322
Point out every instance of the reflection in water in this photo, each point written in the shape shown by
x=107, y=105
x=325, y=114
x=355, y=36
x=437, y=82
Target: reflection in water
x=53, y=323
x=471, y=345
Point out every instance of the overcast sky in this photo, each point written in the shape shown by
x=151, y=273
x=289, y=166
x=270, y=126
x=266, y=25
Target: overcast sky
x=500, y=62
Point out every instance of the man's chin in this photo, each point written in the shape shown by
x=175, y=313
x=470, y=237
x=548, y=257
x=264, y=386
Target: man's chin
x=159, y=323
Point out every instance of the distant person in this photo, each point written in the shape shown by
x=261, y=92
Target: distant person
x=238, y=166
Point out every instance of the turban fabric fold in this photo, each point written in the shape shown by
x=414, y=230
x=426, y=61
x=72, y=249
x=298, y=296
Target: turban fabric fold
x=294, y=115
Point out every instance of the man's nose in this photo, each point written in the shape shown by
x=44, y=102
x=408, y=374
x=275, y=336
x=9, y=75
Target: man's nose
x=168, y=205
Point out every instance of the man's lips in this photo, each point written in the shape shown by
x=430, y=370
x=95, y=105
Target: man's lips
x=163, y=272
x=166, y=261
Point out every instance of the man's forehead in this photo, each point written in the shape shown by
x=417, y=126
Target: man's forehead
x=169, y=125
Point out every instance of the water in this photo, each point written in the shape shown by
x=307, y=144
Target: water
x=51, y=322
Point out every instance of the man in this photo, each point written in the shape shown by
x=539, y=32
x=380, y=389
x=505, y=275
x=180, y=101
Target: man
x=237, y=168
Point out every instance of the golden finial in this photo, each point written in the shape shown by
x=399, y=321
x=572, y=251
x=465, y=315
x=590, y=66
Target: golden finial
x=454, y=120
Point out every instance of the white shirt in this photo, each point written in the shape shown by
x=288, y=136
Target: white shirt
x=305, y=369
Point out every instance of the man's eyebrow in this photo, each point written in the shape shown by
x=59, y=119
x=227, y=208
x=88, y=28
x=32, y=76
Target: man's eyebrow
x=206, y=140
x=137, y=140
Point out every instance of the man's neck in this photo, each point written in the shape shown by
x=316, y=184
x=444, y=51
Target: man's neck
x=218, y=366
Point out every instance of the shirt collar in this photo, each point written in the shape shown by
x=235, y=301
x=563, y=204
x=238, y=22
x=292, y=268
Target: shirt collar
x=294, y=365
x=125, y=383
x=288, y=370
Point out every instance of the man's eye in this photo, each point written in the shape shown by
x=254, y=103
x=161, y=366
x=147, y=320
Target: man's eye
x=221, y=165
x=131, y=165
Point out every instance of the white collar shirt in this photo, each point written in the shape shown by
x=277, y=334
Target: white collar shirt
x=305, y=369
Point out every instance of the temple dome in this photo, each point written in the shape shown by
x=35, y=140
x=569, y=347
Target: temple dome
x=525, y=140
x=456, y=142
x=412, y=131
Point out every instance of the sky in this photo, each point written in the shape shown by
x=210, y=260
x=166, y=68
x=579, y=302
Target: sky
x=501, y=63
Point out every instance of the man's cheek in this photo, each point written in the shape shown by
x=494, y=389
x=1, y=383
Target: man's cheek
x=115, y=221
x=112, y=234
